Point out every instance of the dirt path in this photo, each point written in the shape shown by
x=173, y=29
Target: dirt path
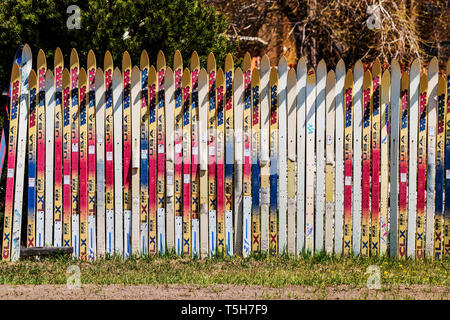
x=222, y=292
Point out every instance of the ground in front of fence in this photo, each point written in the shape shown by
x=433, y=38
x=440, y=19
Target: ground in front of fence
x=319, y=277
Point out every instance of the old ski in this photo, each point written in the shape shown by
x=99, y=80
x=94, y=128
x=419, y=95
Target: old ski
x=220, y=159
x=82, y=83
x=31, y=150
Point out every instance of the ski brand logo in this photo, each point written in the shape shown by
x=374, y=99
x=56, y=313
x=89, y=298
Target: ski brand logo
x=15, y=99
x=66, y=107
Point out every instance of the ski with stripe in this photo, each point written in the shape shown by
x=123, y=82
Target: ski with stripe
x=186, y=156
x=126, y=123
x=310, y=161
x=229, y=153
x=40, y=149
x=32, y=146
x=301, y=153
x=21, y=153
x=385, y=128
x=408, y=238
x=421, y=166
x=118, y=147
x=220, y=159
x=247, y=182
x=203, y=161
x=330, y=160
x=394, y=159
x=74, y=158
x=211, y=68
x=12, y=156
x=348, y=159
x=255, y=136
x=264, y=158
x=91, y=134
x=152, y=160
x=340, y=116
x=366, y=156
x=273, y=228
x=357, y=157
x=136, y=89
x=178, y=155
x=144, y=136
x=446, y=235
x=109, y=152
x=169, y=113
x=82, y=83
x=403, y=184
x=100, y=158
x=195, y=178
x=58, y=189
x=161, y=135
x=49, y=155
x=66, y=149
x=376, y=125
x=291, y=90
x=238, y=87
x=282, y=153
x=440, y=149
x=433, y=76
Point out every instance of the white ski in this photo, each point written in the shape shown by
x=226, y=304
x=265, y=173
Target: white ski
x=291, y=141
x=320, y=154
x=282, y=153
x=301, y=152
x=100, y=179
x=339, y=178
x=238, y=160
x=49, y=154
x=330, y=165
x=412, y=168
x=118, y=176
x=357, y=169
x=21, y=153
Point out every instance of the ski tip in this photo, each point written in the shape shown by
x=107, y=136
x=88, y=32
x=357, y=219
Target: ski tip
x=376, y=68
x=160, y=60
x=91, y=59
x=322, y=66
x=349, y=79
x=195, y=61
x=367, y=81
x=441, y=88
x=255, y=77
x=238, y=72
x=65, y=77
x=177, y=60
x=229, y=64
x=423, y=86
x=26, y=59
x=186, y=78
x=58, y=57
x=395, y=66
x=15, y=72
x=220, y=78
x=202, y=76
x=126, y=61
x=433, y=65
x=32, y=79
x=340, y=69
x=41, y=60
x=282, y=62
x=386, y=79
x=415, y=65
x=82, y=78
x=98, y=76
x=247, y=64
x=359, y=66
x=211, y=64
x=292, y=77
x=331, y=76
x=273, y=80
x=405, y=81
x=108, y=60
x=117, y=74
x=73, y=58
x=144, y=61
x=265, y=63
x=448, y=67
x=49, y=78
x=151, y=75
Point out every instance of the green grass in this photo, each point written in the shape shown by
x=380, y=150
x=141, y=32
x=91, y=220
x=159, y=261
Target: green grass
x=319, y=270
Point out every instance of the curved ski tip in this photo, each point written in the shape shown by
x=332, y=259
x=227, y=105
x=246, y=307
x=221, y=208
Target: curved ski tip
x=202, y=76
x=376, y=67
x=49, y=75
x=322, y=64
x=331, y=76
x=434, y=64
x=117, y=72
x=359, y=65
x=340, y=68
x=91, y=61
x=144, y=60
x=273, y=76
x=395, y=66
x=211, y=64
x=255, y=75
x=247, y=64
x=265, y=62
x=26, y=59
x=229, y=63
x=177, y=60
x=292, y=76
x=386, y=76
x=126, y=60
x=415, y=64
x=160, y=60
x=65, y=77
x=282, y=61
x=152, y=73
x=108, y=59
x=41, y=59
x=73, y=56
x=82, y=78
x=186, y=78
x=195, y=60
x=32, y=78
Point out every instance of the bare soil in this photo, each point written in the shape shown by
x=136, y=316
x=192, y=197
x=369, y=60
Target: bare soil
x=218, y=292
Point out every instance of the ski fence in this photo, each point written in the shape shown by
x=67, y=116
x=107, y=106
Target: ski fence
x=203, y=161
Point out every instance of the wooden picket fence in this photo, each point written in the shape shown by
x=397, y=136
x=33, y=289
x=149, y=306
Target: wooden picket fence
x=149, y=159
